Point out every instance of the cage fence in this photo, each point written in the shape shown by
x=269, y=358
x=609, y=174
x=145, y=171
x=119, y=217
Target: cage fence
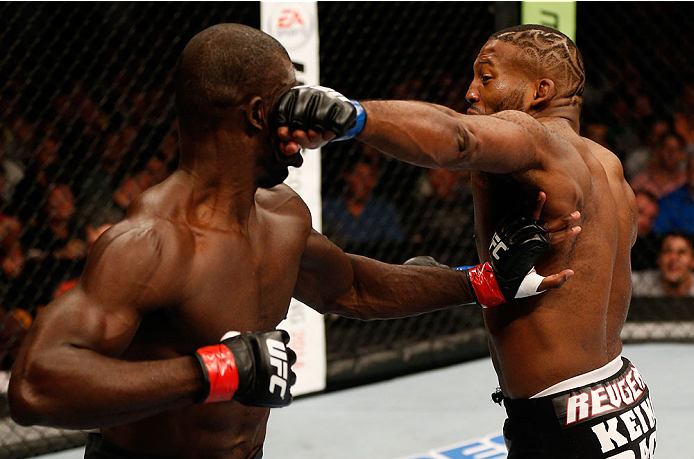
x=88, y=123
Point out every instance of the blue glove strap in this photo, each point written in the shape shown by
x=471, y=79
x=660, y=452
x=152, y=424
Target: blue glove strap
x=462, y=268
x=361, y=120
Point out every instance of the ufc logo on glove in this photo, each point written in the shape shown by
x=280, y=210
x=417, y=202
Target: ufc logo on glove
x=248, y=368
x=278, y=359
x=497, y=245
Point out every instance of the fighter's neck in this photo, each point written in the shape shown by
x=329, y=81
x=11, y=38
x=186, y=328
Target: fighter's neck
x=566, y=112
x=221, y=178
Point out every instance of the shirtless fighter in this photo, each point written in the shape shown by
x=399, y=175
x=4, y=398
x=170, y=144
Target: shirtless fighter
x=567, y=390
x=221, y=245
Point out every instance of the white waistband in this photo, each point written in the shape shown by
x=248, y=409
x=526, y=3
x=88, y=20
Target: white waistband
x=584, y=379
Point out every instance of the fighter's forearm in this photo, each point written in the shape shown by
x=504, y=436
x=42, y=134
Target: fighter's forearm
x=67, y=387
x=385, y=291
x=419, y=133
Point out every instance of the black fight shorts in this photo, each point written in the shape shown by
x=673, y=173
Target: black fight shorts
x=610, y=418
x=99, y=448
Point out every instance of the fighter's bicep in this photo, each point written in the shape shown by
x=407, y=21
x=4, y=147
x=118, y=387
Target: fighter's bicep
x=80, y=320
x=505, y=143
x=128, y=272
x=325, y=272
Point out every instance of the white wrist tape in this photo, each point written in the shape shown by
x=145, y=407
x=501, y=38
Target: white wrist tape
x=530, y=283
x=231, y=334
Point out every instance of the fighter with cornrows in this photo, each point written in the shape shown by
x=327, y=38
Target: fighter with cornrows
x=568, y=391
x=167, y=344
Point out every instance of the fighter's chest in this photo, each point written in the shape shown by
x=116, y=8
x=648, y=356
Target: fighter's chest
x=233, y=285
x=248, y=282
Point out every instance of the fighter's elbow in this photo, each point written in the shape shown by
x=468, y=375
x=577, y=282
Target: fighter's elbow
x=24, y=402
x=350, y=306
x=339, y=308
x=31, y=395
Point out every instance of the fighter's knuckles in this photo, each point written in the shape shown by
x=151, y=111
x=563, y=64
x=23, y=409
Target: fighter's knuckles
x=291, y=356
x=315, y=137
x=284, y=134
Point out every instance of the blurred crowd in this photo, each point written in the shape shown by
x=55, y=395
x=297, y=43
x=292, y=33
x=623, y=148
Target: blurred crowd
x=69, y=172
x=66, y=175
x=656, y=147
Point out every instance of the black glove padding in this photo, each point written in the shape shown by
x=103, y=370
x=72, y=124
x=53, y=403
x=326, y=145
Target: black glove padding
x=425, y=260
x=264, y=364
x=514, y=250
x=252, y=368
x=315, y=107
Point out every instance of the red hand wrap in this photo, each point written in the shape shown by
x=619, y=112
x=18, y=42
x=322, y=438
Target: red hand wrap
x=221, y=370
x=485, y=285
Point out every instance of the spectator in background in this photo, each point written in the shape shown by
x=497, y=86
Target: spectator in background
x=168, y=148
x=664, y=171
x=11, y=252
x=622, y=132
x=597, y=132
x=637, y=160
x=677, y=208
x=17, y=139
x=14, y=326
x=357, y=216
x=105, y=166
x=155, y=171
x=684, y=117
x=98, y=224
x=42, y=170
x=79, y=113
x=14, y=321
x=53, y=251
x=11, y=173
x=645, y=250
x=118, y=152
x=80, y=124
x=445, y=221
x=674, y=274
x=54, y=229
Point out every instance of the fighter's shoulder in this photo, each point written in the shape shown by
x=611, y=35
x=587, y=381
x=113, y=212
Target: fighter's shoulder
x=529, y=130
x=144, y=229
x=610, y=162
x=282, y=199
x=144, y=251
x=522, y=119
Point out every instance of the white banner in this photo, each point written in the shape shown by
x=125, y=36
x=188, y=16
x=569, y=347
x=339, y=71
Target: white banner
x=295, y=25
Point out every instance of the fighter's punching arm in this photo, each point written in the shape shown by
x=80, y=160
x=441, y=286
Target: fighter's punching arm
x=70, y=373
x=331, y=281
x=420, y=133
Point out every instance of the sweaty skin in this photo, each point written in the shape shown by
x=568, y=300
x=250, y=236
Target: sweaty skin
x=527, y=140
x=538, y=341
x=220, y=245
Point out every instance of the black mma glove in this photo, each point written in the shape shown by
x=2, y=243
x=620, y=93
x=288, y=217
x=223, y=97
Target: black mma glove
x=321, y=109
x=251, y=368
x=514, y=249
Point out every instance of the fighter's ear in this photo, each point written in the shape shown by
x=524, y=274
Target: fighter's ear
x=544, y=92
x=256, y=113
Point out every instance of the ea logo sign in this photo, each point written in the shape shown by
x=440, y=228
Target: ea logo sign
x=291, y=25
